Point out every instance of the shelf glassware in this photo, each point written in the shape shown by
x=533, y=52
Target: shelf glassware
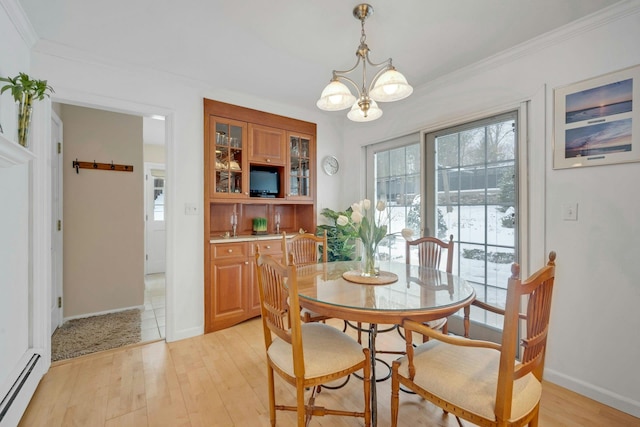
x=234, y=222
x=229, y=147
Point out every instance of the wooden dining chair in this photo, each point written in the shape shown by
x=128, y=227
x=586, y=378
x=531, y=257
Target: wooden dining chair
x=305, y=355
x=480, y=381
x=306, y=249
x=430, y=254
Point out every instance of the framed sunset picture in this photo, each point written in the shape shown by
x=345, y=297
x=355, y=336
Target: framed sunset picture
x=595, y=121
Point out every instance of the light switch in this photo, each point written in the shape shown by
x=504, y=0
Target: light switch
x=190, y=209
x=570, y=211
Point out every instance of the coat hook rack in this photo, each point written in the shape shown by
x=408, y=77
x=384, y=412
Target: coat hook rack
x=102, y=166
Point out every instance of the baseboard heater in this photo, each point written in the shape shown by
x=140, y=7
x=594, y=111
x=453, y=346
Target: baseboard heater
x=13, y=392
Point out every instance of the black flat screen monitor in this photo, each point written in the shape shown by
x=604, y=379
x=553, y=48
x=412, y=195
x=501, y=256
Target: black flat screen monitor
x=263, y=183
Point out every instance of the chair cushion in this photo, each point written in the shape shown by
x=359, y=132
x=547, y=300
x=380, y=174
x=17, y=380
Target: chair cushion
x=436, y=324
x=468, y=378
x=326, y=350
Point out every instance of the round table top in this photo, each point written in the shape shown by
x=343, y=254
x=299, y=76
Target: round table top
x=421, y=294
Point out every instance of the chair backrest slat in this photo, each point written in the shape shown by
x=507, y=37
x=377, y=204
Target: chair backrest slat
x=431, y=251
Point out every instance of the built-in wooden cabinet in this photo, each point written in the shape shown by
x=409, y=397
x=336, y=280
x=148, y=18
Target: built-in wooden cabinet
x=241, y=145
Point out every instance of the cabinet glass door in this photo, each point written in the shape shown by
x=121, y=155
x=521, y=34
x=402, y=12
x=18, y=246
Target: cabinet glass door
x=300, y=160
x=229, y=158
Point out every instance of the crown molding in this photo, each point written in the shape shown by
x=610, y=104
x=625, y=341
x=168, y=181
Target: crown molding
x=613, y=13
x=19, y=19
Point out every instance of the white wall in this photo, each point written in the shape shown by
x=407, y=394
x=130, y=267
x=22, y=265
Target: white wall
x=592, y=345
x=14, y=219
x=24, y=290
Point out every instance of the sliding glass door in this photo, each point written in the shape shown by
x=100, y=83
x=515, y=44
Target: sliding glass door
x=471, y=193
x=460, y=181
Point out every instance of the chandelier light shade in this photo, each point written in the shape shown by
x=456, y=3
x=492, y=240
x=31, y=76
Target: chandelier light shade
x=387, y=85
x=391, y=86
x=360, y=114
x=336, y=96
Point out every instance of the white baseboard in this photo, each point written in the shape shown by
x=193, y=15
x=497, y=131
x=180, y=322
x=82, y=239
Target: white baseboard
x=117, y=310
x=21, y=388
x=596, y=393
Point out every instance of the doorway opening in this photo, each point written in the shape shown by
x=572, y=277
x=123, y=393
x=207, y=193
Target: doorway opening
x=152, y=283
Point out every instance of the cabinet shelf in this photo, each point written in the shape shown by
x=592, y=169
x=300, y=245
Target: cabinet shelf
x=12, y=153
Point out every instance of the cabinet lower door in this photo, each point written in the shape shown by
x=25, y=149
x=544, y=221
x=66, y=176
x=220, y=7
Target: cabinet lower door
x=229, y=280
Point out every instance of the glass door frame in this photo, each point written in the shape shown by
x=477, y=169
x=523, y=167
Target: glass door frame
x=522, y=191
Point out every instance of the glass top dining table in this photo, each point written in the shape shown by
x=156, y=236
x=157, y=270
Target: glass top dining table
x=419, y=293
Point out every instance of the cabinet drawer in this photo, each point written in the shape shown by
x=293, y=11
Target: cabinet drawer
x=269, y=247
x=228, y=250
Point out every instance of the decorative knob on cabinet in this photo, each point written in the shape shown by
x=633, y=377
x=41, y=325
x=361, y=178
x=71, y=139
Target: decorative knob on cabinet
x=229, y=250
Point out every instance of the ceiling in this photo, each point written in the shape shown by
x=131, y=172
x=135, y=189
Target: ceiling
x=284, y=50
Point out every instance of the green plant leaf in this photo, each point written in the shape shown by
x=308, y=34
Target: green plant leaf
x=24, y=89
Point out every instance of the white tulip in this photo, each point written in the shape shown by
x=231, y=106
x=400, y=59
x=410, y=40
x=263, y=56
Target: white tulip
x=407, y=233
x=381, y=205
x=366, y=203
x=356, y=217
x=342, y=220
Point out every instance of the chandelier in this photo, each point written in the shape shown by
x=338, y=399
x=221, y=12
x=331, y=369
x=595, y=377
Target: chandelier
x=387, y=84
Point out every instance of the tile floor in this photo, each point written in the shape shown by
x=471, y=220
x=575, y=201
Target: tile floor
x=153, y=316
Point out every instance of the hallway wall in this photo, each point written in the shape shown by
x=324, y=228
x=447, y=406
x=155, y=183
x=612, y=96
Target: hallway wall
x=103, y=213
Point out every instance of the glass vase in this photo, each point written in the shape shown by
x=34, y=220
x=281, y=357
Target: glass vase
x=369, y=265
x=24, y=122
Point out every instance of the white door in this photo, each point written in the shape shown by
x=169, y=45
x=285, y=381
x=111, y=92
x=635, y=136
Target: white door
x=154, y=218
x=56, y=217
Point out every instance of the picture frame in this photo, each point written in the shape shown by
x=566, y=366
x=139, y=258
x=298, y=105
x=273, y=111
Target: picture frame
x=596, y=121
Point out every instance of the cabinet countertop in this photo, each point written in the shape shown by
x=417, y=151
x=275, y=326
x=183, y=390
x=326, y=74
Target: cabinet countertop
x=248, y=238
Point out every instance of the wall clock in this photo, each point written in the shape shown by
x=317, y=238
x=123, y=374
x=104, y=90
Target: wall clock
x=330, y=165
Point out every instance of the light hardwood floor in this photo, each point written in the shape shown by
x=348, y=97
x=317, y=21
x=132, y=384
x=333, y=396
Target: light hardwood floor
x=219, y=379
